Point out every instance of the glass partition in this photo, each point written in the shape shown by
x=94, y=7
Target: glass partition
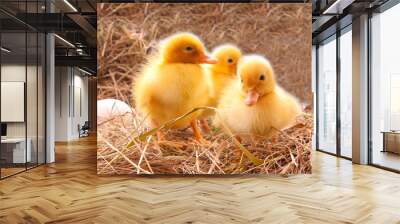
x=22, y=88
x=14, y=153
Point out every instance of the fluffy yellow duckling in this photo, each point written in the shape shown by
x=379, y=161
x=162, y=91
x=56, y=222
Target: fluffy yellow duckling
x=224, y=71
x=220, y=75
x=255, y=103
x=173, y=82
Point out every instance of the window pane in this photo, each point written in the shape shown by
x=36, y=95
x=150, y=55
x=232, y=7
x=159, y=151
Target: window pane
x=346, y=94
x=386, y=89
x=327, y=96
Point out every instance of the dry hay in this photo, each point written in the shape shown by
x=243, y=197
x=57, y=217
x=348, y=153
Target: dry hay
x=128, y=32
x=288, y=152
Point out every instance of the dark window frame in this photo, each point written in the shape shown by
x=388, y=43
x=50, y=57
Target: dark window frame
x=334, y=37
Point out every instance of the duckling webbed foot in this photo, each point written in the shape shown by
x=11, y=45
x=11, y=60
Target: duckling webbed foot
x=160, y=134
x=197, y=133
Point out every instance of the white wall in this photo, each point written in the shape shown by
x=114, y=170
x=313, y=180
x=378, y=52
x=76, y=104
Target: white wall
x=12, y=73
x=62, y=81
x=70, y=109
x=80, y=102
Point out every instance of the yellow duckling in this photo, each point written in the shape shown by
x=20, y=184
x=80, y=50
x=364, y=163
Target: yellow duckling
x=220, y=75
x=224, y=71
x=173, y=82
x=255, y=103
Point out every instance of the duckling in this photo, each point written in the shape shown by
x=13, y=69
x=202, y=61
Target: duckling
x=224, y=71
x=220, y=75
x=173, y=82
x=255, y=103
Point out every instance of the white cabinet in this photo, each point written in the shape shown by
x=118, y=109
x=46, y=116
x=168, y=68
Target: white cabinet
x=17, y=148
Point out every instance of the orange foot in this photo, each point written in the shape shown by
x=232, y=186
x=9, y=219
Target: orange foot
x=197, y=134
x=160, y=134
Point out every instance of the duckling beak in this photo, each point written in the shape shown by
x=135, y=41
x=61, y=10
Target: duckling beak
x=204, y=59
x=251, y=98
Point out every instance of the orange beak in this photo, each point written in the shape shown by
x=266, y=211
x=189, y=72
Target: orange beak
x=251, y=98
x=204, y=59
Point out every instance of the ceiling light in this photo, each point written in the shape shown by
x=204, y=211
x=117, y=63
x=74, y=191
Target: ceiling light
x=337, y=7
x=79, y=51
x=84, y=71
x=5, y=50
x=65, y=41
x=70, y=5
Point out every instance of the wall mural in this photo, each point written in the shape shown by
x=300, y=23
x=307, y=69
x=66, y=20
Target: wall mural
x=204, y=88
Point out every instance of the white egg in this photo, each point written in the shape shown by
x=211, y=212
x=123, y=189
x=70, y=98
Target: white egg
x=108, y=108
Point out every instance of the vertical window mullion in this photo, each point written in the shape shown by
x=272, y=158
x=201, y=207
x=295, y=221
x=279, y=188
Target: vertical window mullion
x=26, y=86
x=369, y=90
x=37, y=89
x=0, y=93
x=338, y=74
x=317, y=97
x=44, y=72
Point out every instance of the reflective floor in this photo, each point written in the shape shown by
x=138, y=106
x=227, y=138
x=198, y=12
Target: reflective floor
x=387, y=159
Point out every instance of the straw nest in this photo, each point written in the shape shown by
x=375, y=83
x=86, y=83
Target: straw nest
x=288, y=152
x=128, y=33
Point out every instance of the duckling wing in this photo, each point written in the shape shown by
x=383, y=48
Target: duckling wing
x=282, y=109
x=168, y=91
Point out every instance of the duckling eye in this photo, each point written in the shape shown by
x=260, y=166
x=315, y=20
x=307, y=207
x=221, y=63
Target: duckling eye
x=262, y=77
x=189, y=48
x=230, y=60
